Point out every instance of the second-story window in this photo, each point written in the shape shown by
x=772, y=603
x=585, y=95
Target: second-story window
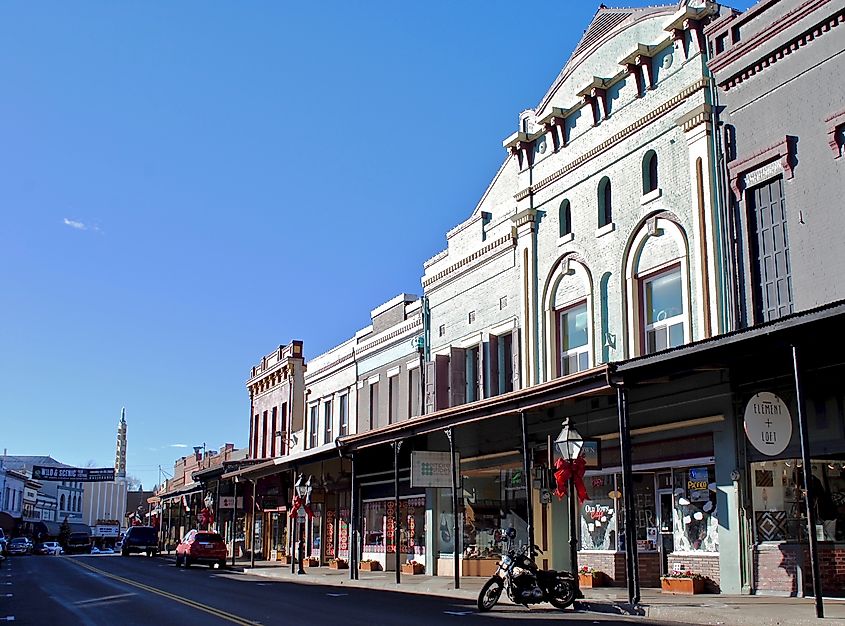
x=313, y=426
x=565, y=217
x=574, y=339
x=343, y=415
x=327, y=421
x=373, y=405
x=649, y=172
x=273, y=425
x=663, y=310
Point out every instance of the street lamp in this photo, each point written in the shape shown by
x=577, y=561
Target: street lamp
x=303, y=492
x=569, y=444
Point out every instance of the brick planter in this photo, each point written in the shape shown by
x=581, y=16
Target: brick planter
x=369, y=566
x=684, y=586
x=338, y=564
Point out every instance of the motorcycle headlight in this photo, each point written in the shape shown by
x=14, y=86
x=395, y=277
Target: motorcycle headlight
x=506, y=561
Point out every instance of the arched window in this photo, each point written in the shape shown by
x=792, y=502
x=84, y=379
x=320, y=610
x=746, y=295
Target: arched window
x=649, y=172
x=62, y=503
x=605, y=203
x=565, y=218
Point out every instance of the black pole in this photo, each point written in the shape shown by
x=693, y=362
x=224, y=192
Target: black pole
x=396, y=518
x=526, y=471
x=300, y=544
x=169, y=523
x=631, y=564
x=217, y=507
x=254, y=508
x=809, y=495
x=353, y=526
x=456, y=533
x=234, y=518
x=573, y=535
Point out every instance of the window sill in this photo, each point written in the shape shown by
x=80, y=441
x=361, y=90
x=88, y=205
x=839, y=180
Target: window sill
x=651, y=196
x=565, y=239
x=607, y=228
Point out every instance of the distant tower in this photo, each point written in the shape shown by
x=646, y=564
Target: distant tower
x=120, y=451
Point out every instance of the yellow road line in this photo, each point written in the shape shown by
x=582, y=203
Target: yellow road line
x=166, y=594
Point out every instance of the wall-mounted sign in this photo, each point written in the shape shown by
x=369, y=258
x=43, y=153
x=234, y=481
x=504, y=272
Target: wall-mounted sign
x=78, y=474
x=591, y=452
x=432, y=469
x=228, y=502
x=768, y=424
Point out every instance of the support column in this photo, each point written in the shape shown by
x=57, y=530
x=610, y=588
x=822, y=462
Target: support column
x=458, y=532
x=809, y=495
x=526, y=469
x=234, y=517
x=526, y=232
x=252, y=533
x=353, y=522
x=631, y=563
x=396, y=519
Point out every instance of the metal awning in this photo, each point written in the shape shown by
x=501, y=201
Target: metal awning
x=182, y=491
x=592, y=382
x=283, y=463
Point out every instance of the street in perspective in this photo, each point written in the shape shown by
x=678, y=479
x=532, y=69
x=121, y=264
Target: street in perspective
x=383, y=313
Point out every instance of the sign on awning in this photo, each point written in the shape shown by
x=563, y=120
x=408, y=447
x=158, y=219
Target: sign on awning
x=432, y=469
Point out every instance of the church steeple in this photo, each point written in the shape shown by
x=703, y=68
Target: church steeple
x=120, y=451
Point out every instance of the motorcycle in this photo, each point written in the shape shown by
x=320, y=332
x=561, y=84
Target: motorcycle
x=526, y=583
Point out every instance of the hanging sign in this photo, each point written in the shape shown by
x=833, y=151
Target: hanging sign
x=78, y=474
x=768, y=424
x=432, y=469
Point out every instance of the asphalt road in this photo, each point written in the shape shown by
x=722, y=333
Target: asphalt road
x=113, y=590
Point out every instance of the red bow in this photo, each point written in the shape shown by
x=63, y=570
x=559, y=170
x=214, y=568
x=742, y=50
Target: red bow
x=298, y=503
x=206, y=517
x=574, y=469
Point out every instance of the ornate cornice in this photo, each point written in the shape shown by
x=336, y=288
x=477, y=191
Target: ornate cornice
x=413, y=323
x=760, y=64
x=330, y=366
x=783, y=150
x=626, y=132
x=505, y=240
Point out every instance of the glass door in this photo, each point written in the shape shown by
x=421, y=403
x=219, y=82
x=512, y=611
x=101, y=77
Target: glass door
x=665, y=531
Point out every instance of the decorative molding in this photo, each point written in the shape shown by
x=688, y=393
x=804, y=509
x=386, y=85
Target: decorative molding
x=783, y=150
x=505, y=240
x=528, y=216
x=782, y=51
x=702, y=114
x=410, y=325
x=312, y=375
x=834, y=123
x=629, y=130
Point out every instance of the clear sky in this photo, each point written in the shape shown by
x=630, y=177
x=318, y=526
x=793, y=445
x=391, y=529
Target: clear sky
x=186, y=185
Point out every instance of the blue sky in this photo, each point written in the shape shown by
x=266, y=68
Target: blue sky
x=184, y=186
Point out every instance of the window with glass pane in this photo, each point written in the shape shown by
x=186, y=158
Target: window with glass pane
x=664, y=311
x=599, y=526
x=695, y=523
x=574, y=354
x=313, y=425
x=344, y=415
x=327, y=421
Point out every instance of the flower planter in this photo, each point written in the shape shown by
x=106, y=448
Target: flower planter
x=369, y=566
x=284, y=559
x=685, y=586
x=338, y=564
x=413, y=568
x=312, y=562
x=587, y=581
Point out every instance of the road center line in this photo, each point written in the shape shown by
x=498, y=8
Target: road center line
x=166, y=594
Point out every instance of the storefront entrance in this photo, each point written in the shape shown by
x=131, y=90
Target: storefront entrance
x=275, y=534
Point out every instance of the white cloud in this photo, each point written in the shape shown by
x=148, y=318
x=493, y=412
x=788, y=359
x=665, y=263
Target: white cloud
x=178, y=445
x=77, y=225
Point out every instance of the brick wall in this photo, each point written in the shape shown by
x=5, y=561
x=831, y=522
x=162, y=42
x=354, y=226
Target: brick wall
x=613, y=564
x=779, y=569
x=705, y=564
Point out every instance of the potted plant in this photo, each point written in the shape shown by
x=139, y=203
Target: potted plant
x=368, y=565
x=589, y=577
x=339, y=564
x=311, y=561
x=682, y=581
x=413, y=568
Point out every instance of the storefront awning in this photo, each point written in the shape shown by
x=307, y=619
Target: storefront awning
x=593, y=382
x=282, y=464
x=181, y=491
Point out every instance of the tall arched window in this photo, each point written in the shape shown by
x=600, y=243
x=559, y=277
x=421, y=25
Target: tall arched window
x=565, y=215
x=649, y=172
x=605, y=202
x=62, y=503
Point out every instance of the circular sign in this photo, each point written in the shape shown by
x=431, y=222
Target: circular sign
x=768, y=424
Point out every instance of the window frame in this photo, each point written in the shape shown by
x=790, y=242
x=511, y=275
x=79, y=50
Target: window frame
x=343, y=415
x=666, y=323
x=605, y=198
x=565, y=218
x=327, y=421
x=313, y=424
x=586, y=348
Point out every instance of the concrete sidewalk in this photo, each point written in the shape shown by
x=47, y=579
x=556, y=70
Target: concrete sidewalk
x=700, y=609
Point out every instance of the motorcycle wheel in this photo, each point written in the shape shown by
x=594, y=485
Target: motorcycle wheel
x=489, y=594
x=563, y=595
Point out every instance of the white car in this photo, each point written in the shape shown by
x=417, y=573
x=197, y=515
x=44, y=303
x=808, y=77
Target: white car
x=51, y=547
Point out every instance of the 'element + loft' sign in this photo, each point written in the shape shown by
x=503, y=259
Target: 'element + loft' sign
x=768, y=424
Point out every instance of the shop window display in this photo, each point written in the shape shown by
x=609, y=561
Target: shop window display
x=599, y=518
x=780, y=512
x=380, y=518
x=695, y=521
x=316, y=529
x=494, y=500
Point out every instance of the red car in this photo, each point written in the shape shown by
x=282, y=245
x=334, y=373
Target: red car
x=201, y=546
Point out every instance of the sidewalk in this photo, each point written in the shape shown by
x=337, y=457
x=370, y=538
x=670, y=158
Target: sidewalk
x=700, y=609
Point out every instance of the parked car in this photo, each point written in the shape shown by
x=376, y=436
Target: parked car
x=201, y=546
x=20, y=545
x=50, y=547
x=106, y=550
x=79, y=543
x=140, y=539
x=2, y=542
